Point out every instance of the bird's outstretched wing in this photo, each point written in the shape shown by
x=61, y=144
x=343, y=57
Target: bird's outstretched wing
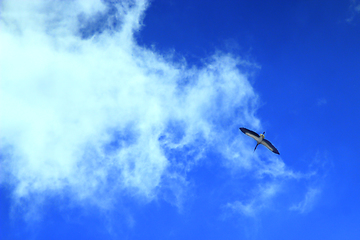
x=250, y=133
x=271, y=147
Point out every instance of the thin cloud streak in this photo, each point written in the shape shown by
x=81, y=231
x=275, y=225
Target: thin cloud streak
x=307, y=204
x=354, y=9
x=272, y=177
x=260, y=200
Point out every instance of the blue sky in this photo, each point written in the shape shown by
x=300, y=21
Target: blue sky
x=120, y=119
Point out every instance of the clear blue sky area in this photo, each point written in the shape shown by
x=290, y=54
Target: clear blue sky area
x=120, y=119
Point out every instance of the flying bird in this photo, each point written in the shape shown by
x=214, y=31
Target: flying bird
x=260, y=140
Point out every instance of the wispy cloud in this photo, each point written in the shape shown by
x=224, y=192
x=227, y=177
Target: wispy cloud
x=90, y=114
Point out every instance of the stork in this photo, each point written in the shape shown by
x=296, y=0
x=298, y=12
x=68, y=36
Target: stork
x=260, y=140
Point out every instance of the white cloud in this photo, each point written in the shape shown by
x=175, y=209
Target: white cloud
x=355, y=5
x=98, y=116
x=321, y=101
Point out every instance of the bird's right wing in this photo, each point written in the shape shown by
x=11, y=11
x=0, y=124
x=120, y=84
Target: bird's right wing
x=271, y=147
x=250, y=133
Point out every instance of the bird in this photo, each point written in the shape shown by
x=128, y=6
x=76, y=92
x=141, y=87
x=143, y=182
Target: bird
x=260, y=139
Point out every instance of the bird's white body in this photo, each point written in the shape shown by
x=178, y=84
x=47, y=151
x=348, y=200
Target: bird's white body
x=260, y=139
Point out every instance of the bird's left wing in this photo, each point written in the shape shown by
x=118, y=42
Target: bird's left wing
x=250, y=133
x=271, y=147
